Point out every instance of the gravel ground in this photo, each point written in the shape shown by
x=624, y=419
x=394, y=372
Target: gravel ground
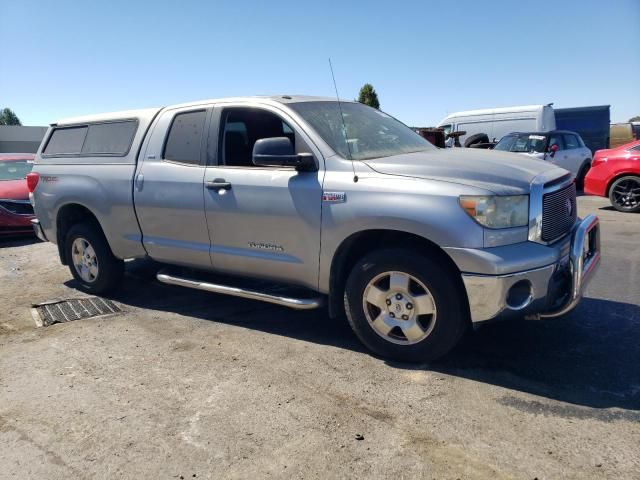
x=185, y=384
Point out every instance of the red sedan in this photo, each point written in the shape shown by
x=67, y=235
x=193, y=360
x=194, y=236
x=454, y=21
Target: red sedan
x=16, y=211
x=615, y=173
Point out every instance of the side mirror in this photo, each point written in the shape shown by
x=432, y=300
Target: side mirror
x=278, y=152
x=553, y=149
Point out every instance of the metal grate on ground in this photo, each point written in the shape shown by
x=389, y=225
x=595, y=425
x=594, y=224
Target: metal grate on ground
x=62, y=311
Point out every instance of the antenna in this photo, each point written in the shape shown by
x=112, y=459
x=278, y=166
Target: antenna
x=344, y=125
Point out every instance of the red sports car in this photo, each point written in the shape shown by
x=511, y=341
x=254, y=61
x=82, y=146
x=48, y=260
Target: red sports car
x=16, y=211
x=615, y=173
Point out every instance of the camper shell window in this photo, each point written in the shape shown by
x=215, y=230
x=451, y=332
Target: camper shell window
x=95, y=139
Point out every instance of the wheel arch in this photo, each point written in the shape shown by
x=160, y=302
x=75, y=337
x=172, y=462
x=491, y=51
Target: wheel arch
x=618, y=176
x=68, y=215
x=359, y=244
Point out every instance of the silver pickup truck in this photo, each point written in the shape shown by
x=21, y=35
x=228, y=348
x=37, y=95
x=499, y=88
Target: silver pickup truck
x=339, y=201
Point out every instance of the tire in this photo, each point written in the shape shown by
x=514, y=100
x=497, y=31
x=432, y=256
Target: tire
x=581, y=176
x=90, y=259
x=409, y=335
x=624, y=194
x=476, y=138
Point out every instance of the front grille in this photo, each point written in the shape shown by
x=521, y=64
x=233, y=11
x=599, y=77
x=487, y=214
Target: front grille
x=19, y=207
x=559, y=212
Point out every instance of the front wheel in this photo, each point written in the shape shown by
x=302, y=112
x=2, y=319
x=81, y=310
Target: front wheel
x=624, y=194
x=404, y=306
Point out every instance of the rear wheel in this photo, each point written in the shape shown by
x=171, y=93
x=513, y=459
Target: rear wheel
x=90, y=259
x=624, y=194
x=405, y=306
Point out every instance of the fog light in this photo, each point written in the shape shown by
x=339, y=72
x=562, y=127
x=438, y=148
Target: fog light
x=520, y=295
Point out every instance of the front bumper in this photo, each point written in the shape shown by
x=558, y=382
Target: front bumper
x=545, y=292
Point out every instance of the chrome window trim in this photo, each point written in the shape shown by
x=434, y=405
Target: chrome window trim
x=536, y=197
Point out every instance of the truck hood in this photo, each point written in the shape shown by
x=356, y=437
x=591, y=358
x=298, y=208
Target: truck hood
x=502, y=173
x=14, y=189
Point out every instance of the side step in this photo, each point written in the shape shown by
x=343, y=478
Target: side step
x=295, y=303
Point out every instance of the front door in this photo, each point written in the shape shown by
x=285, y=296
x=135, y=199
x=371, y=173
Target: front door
x=169, y=191
x=575, y=154
x=560, y=158
x=263, y=221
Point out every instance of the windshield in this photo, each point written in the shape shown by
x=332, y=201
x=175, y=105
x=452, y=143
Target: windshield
x=370, y=132
x=525, y=142
x=15, y=170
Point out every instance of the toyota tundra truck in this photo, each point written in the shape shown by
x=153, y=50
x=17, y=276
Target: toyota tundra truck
x=333, y=202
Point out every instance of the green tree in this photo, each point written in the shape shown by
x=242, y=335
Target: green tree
x=635, y=119
x=368, y=96
x=8, y=117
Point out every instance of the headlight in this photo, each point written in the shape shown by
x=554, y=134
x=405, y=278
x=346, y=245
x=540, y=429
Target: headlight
x=497, y=212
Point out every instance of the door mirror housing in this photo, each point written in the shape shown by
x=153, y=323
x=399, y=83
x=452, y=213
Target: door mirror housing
x=279, y=152
x=552, y=150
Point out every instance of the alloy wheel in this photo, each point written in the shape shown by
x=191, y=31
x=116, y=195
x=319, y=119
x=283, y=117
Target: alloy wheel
x=626, y=194
x=84, y=259
x=399, y=307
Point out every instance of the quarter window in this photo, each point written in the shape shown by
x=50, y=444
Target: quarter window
x=185, y=137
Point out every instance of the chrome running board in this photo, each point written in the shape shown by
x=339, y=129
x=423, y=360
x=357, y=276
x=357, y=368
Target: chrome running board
x=295, y=303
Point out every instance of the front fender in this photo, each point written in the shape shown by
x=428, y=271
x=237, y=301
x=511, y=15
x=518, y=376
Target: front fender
x=426, y=209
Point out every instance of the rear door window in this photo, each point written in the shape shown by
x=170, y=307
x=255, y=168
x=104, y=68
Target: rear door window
x=185, y=137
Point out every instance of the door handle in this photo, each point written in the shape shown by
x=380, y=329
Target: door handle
x=139, y=182
x=218, y=184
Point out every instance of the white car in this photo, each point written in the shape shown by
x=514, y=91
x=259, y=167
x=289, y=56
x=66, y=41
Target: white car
x=563, y=148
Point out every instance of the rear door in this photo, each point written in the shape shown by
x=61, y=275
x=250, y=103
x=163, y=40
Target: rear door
x=265, y=221
x=168, y=188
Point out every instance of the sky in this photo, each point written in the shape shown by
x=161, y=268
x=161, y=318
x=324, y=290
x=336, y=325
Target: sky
x=425, y=58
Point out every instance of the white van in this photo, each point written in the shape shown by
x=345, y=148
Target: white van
x=497, y=122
